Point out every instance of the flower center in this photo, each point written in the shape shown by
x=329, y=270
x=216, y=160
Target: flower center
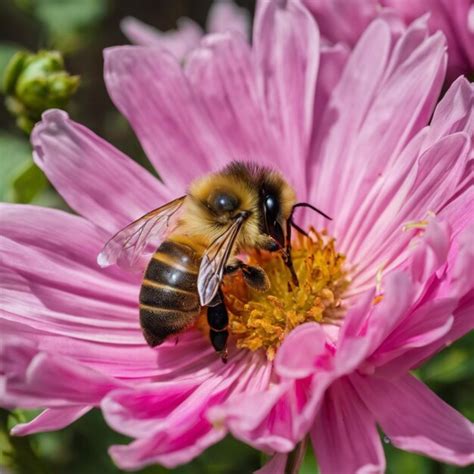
x=262, y=320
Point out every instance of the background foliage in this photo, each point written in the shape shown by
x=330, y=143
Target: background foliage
x=80, y=29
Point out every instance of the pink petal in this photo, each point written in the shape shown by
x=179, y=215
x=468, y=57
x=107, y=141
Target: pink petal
x=415, y=419
x=65, y=303
x=276, y=465
x=141, y=412
x=459, y=213
x=386, y=130
x=223, y=75
x=37, y=379
x=343, y=20
x=170, y=418
x=104, y=299
x=345, y=112
x=287, y=409
x=225, y=15
x=410, y=39
x=452, y=19
x=148, y=86
x=179, y=41
x=461, y=323
x=67, y=380
x=425, y=325
x=48, y=308
x=386, y=315
x=136, y=363
x=430, y=251
x=382, y=193
x=344, y=435
x=270, y=428
x=374, y=144
x=51, y=419
x=457, y=286
x=460, y=282
x=408, y=197
x=168, y=450
x=331, y=64
x=30, y=229
x=286, y=42
x=455, y=111
x=352, y=344
x=94, y=178
x=301, y=349
x=150, y=408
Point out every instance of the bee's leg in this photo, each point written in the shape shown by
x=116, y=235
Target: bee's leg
x=233, y=267
x=254, y=276
x=218, y=320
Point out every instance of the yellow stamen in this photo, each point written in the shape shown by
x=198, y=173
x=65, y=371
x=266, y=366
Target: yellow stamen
x=378, y=279
x=261, y=321
x=421, y=224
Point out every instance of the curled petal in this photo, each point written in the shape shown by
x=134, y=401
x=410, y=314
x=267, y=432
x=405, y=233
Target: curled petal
x=51, y=419
x=302, y=349
x=415, y=419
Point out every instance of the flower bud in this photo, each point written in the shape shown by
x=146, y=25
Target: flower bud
x=35, y=82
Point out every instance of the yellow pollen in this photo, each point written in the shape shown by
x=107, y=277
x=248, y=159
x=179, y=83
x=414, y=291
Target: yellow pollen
x=261, y=321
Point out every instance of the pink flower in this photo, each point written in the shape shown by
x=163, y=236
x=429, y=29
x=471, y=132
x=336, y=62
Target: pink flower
x=346, y=20
x=224, y=15
x=351, y=137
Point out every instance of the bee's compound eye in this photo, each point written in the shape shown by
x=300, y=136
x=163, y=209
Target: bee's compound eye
x=272, y=206
x=224, y=202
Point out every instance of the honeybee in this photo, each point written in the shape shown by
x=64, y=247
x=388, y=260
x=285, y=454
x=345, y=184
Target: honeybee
x=194, y=241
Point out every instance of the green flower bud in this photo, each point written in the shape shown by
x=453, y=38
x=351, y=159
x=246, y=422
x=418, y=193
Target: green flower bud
x=34, y=83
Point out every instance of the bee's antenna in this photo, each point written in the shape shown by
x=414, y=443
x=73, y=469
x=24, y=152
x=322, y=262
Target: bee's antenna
x=307, y=204
x=289, y=224
x=298, y=228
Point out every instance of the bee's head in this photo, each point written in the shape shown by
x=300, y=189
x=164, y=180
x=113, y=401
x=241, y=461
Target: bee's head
x=261, y=194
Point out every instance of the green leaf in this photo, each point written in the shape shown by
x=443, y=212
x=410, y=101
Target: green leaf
x=309, y=465
x=28, y=184
x=15, y=153
x=17, y=454
x=454, y=364
x=400, y=461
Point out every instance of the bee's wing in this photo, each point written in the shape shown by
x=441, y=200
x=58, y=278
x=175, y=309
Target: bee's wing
x=211, y=270
x=142, y=236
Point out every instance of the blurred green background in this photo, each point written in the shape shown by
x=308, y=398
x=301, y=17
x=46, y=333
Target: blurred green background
x=80, y=29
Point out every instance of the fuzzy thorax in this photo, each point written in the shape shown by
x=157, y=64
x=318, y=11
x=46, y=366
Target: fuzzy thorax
x=261, y=321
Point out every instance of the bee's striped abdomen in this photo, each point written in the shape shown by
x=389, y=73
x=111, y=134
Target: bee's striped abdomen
x=169, y=300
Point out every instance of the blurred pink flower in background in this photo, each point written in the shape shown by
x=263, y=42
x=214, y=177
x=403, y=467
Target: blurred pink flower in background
x=224, y=15
x=339, y=21
x=349, y=131
x=345, y=20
